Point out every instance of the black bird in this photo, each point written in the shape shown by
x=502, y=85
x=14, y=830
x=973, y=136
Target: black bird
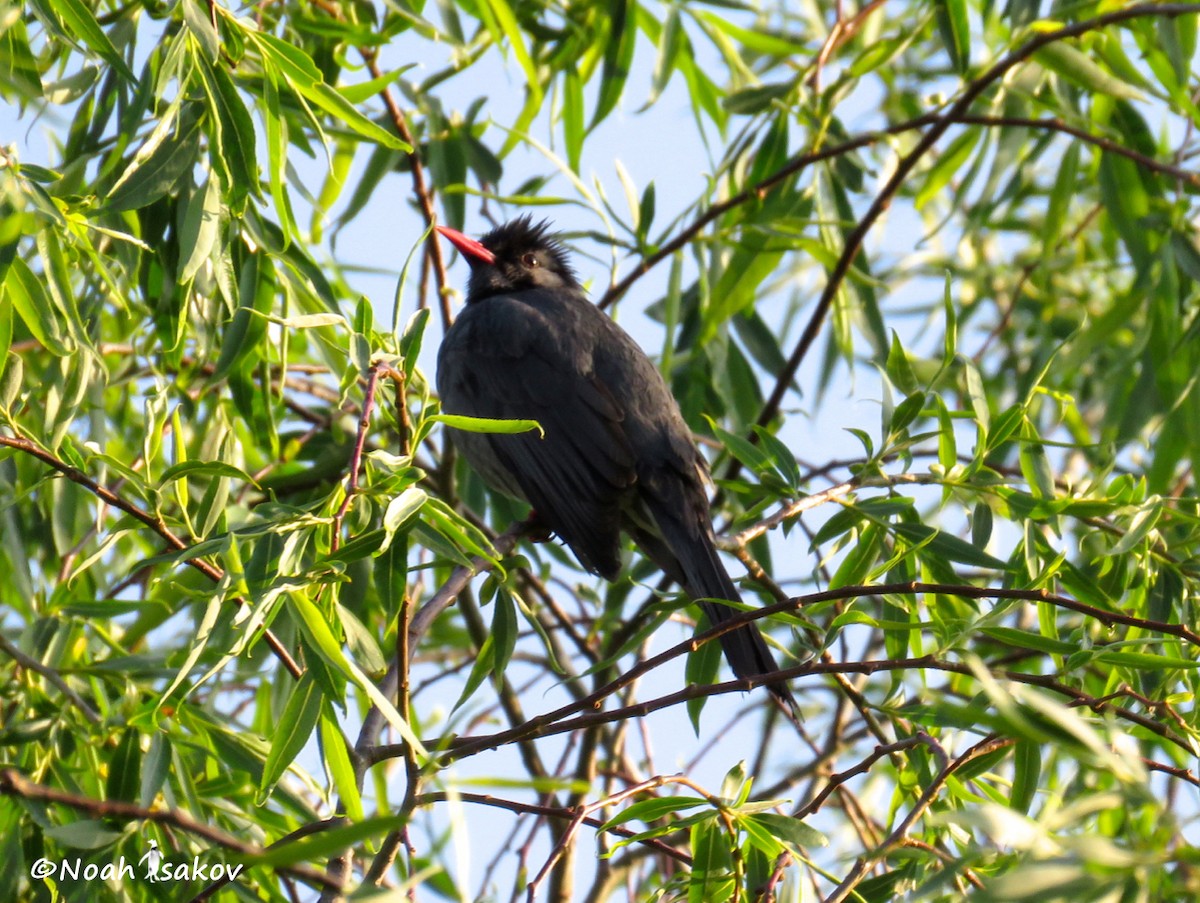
x=616, y=454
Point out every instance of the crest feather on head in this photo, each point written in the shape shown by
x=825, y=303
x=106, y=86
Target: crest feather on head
x=510, y=240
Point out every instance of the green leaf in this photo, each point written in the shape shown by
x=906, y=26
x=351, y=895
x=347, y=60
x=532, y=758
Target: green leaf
x=791, y=831
x=1024, y=639
x=950, y=341
x=292, y=731
x=80, y=20
x=400, y=511
x=277, y=150
x=205, y=468
x=652, y=810
x=758, y=40
x=337, y=760
x=1061, y=196
x=947, y=167
x=317, y=631
x=1027, y=770
x=1143, y=661
x=171, y=150
x=325, y=844
x=302, y=75
x=17, y=64
x=125, y=768
x=155, y=767
x=899, y=370
x=201, y=226
x=709, y=880
x=618, y=57
x=412, y=339
x=573, y=117
x=232, y=151
x=36, y=309
x=86, y=834
x=1127, y=204
x=949, y=546
x=246, y=330
x=487, y=424
x=503, y=16
x=202, y=27
x=1079, y=68
x=504, y=630
x=482, y=667
x=955, y=31
x=670, y=41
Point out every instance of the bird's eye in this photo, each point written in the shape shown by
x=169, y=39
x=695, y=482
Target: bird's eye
x=530, y=260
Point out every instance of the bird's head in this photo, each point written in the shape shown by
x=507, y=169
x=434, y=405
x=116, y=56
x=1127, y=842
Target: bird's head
x=519, y=255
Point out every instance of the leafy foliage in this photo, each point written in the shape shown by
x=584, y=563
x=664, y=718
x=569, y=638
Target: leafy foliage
x=239, y=619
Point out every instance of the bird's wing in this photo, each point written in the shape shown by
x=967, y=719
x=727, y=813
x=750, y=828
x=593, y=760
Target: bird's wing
x=578, y=471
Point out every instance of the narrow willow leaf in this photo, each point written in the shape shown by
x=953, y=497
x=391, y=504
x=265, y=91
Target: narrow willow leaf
x=758, y=40
x=232, y=153
x=511, y=29
x=618, y=57
x=487, y=424
x=83, y=24
x=652, y=810
x=277, y=149
x=504, y=631
x=948, y=546
x=1079, y=68
x=670, y=41
x=572, y=116
x=955, y=31
x=303, y=76
x=201, y=227
x=337, y=761
x=125, y=767
x=399, y=511
x=899, y=370
x=172, y=149
x=792, y=831
x=17, y=64
x=35, y=308
x=947, y=167
x=292, y=731
x=6, y=330
x=246, y=330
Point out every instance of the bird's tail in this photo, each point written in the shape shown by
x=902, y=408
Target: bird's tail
x=692, y=561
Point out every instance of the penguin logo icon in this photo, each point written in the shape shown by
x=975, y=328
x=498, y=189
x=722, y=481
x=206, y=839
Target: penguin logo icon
x=152, y=858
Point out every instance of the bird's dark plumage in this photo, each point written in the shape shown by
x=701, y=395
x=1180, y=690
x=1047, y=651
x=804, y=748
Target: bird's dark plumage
x=615, y=455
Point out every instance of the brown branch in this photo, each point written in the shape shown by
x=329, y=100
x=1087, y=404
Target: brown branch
x=433, y=246
x=552, y=723
x=1184, y=774
x=897, y=837
x=955, y=115
x=837, y=780
x=360, y=440
x=155, y=523
x=52, y=676
x=1055, y=124
x=905, y=166
x=421, y=188
x=372, y=726
x=15, y=784
x=556, y=812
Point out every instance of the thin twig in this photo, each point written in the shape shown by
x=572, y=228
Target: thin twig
x=15, y=784
x=52, y=676
x=155, y=523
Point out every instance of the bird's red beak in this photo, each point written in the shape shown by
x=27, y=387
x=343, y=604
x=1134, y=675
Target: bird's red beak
x=470, y=248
